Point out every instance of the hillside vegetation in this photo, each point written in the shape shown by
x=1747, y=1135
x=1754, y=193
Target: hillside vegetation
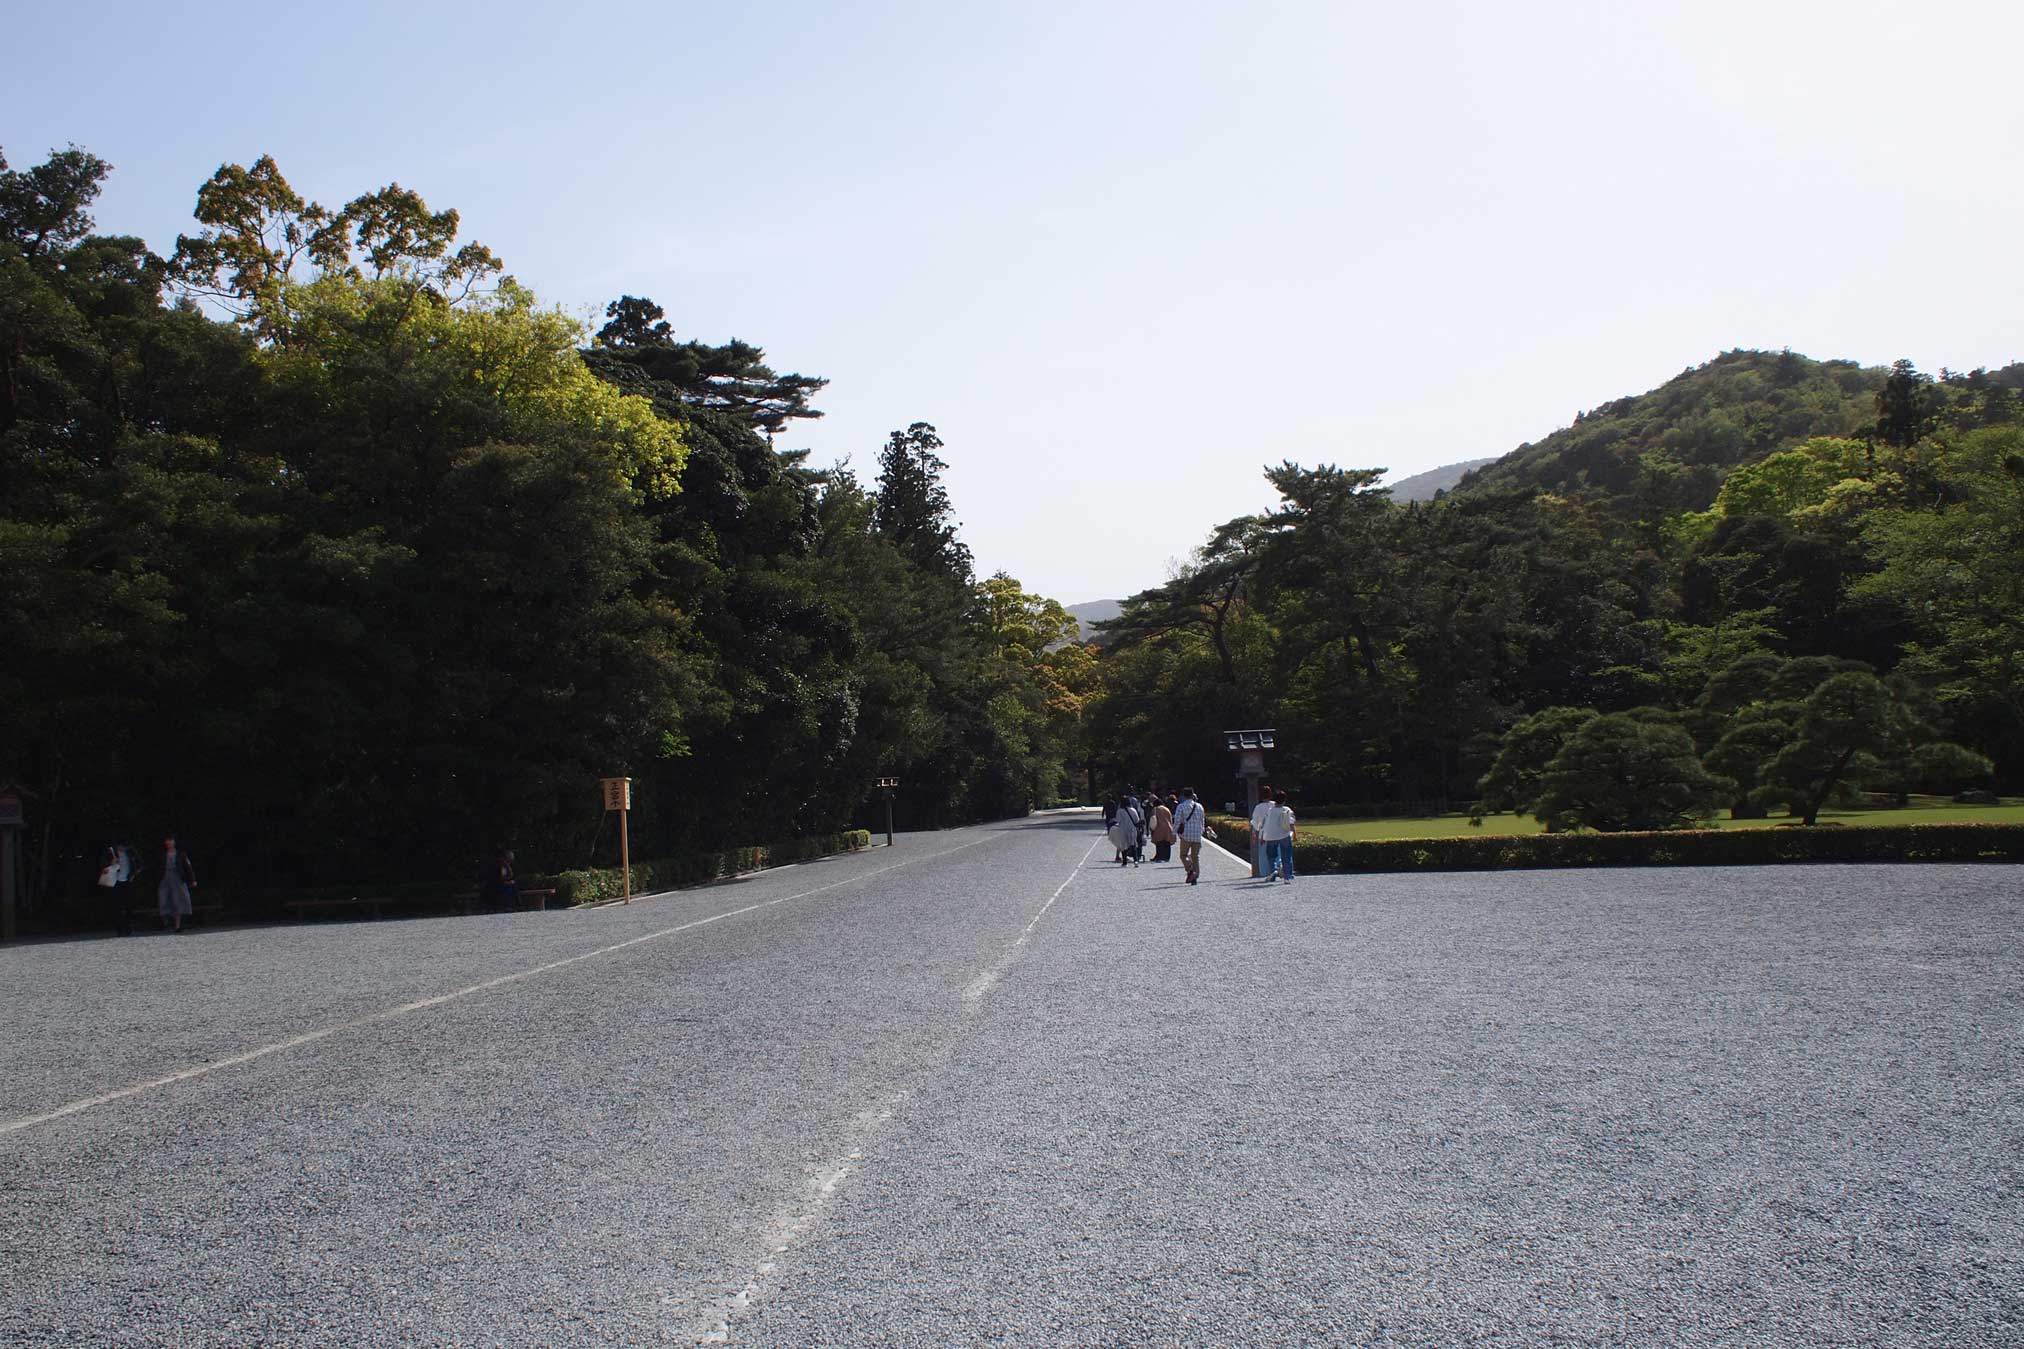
x=1772, y=583
x=1703, y=422
x=1682, y=439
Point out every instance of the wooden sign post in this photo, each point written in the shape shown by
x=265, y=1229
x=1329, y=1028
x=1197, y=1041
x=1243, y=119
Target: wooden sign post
x=618, y=797
x=11, y=823
x=887, y=786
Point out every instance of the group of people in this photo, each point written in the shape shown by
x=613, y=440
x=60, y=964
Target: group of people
x=175, y=879
x=1272, y=830
x=1133, y=821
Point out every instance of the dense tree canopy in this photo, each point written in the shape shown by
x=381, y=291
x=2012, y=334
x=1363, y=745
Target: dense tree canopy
x=334, y=549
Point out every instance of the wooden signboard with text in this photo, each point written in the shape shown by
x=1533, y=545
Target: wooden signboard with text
x=618, y=797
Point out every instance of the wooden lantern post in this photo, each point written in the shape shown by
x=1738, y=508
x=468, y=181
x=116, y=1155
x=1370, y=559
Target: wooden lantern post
x=618, y=797
x=887, y=786
x=1250, y=747
x=12, y=821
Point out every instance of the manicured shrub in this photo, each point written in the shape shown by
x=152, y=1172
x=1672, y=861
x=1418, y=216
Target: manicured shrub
x=1626, y=774
x=409, y=896
x=1673, y=847
x=592, y=884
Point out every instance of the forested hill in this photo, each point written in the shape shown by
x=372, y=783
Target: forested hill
x=1696, y=427
x=1805, y=576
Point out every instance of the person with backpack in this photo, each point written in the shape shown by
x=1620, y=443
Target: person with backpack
x=1191, y=822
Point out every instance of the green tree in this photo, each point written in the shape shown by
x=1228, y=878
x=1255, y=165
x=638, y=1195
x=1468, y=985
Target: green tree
x=1752, y=737
x=47, y=209
x=637, y=343
x=1919, y=757
x=1956, y=569
x=1329, y=575
x=1623, y=772
x=635, y=322
x=1209, y=594
x=1036, y=679
x=912, y=509
x=1528, y=749
x=261, y=240
x=1907, y=406
x=1842, y=728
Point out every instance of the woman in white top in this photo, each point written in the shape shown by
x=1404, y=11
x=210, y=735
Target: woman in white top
x=1124, y=830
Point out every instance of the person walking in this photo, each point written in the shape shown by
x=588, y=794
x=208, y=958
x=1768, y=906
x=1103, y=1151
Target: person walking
x=115, y=880
x=509, y=882
x=1124, y=829
x=1278, y=832
x=1265, y=803
x=1162, y=831
x=172, y=892
x=1189, y=822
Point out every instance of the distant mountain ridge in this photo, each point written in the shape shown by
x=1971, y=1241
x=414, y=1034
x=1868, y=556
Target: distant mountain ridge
x=1426, y=486
x=1094, y=612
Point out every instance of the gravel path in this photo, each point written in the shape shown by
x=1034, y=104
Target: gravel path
x=986, y=1089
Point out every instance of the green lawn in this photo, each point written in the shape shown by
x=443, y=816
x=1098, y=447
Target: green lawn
x=1923, y=810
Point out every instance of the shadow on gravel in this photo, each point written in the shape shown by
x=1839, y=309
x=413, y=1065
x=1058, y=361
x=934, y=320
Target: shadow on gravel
x=1081, y=821
x=252, y=922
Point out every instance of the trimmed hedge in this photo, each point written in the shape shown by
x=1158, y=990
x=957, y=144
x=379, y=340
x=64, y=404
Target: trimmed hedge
x=1678, y=847
x=595, y=883
x=416, y=895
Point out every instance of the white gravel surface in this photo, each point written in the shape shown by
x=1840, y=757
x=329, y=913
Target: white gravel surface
x=985, y=1088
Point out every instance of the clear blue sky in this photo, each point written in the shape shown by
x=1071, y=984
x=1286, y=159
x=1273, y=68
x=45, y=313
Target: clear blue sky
x=1150, y=245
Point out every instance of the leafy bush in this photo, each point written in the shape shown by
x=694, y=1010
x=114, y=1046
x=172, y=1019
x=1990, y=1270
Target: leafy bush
x=1674, y=847
x=591, y=884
